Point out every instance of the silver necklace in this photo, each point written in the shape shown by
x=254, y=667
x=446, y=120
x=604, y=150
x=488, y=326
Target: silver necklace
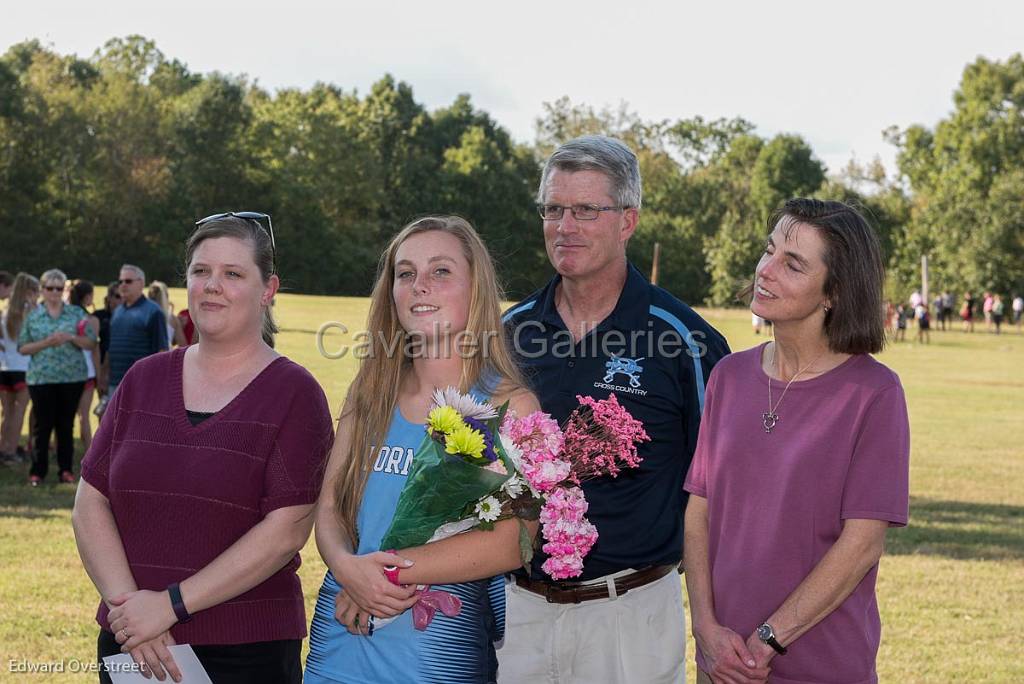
x=770, y=418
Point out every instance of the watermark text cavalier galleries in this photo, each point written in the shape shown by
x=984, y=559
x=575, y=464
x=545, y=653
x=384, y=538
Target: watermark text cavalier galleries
x=332, y=342
x=70, y=665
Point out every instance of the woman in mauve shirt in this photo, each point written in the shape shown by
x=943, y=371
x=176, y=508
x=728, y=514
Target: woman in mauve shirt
x=801, y=465
x=198, y=490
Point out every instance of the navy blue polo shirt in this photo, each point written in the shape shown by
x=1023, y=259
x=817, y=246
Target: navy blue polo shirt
x=655, y=353
x=136, y=331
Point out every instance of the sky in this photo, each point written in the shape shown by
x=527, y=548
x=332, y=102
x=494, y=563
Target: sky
x=837, y=73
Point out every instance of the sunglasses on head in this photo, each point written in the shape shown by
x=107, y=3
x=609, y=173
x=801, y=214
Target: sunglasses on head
x=254, y=216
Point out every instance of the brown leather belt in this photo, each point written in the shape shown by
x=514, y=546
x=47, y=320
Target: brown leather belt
x=574, y=592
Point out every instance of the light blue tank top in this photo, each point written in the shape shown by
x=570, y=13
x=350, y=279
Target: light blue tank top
x=450, y=650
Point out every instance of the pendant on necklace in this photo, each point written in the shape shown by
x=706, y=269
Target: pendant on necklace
x=769, y=419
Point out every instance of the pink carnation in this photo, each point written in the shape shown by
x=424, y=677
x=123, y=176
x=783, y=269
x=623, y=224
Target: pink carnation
x=568, y=535
x=599, y=439
x=549, y=516
x=544, y=475
x=559, y=549
x=537, y=434
x=580, y=534
x=569, y=502
x=562, y=567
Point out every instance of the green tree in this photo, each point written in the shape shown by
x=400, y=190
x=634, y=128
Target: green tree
x=962, y=175
x=490, y=180
x=785, y=168
x=751, y=180
x=324, y=190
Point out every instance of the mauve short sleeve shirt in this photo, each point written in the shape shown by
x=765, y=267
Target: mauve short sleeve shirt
x=777, y=501
x=182, y=494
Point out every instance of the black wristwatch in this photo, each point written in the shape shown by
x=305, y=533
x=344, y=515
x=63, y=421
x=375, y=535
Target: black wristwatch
x=766, y=634
x=178, y=604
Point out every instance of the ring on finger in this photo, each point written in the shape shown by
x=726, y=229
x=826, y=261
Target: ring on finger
x=124, y=633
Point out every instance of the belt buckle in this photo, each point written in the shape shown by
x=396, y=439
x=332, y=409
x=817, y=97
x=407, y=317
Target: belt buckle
x=549, y=590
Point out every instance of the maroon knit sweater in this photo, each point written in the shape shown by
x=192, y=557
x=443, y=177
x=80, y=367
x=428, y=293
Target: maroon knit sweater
x=182, y=494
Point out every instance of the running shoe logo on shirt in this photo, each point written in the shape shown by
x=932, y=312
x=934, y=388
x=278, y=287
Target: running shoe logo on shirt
x=631, y=368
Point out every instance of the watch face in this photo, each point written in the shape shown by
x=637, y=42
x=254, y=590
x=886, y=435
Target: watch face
x=764, y=632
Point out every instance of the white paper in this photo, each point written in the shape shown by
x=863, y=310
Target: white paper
x=453, y=528
x=123, y=670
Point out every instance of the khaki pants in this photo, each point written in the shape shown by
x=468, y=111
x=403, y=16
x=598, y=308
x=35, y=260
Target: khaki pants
x=637, y=637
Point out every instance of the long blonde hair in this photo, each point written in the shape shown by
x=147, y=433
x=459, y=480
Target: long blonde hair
x=16, y=309
x=373, y=394
x=160, y=296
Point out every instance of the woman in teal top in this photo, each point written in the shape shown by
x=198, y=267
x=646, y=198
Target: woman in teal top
x=56, y=374
x=435, y=321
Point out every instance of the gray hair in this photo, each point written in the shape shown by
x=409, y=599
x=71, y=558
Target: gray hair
x=54, y=274
x=610, y=156
x=136, y=270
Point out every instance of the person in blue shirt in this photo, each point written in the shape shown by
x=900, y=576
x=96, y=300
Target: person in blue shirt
x=138, y=327
x=435, y=322
x=598, y=328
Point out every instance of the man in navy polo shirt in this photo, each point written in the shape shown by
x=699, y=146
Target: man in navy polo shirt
x=138, y=327
x=599, y=328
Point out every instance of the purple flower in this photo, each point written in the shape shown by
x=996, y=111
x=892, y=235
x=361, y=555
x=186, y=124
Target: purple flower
x=489, y=453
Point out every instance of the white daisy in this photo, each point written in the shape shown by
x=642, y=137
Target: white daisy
x=467, y=406
x=514, y=486
x=512, y=450
x=488, y=509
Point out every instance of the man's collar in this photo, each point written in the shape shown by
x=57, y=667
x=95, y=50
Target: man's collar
x=630, y=312
x=140, y=300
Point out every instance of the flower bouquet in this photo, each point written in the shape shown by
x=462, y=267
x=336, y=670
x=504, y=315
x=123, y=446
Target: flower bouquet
x=476, y=465
x=460, y=470
x=598, y=439
x=462, y=477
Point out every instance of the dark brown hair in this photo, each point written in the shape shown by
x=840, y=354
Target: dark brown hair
x=249, y=231
x=80, y=289
x=856, y=274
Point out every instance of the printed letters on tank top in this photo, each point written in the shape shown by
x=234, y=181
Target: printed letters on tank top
x=396, y=460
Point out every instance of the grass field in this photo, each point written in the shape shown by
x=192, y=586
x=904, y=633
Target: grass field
x=951, y=585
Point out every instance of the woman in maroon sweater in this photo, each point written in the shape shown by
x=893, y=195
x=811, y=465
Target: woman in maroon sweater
x=198, y=490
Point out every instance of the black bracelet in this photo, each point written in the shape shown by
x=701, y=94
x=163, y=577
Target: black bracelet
x=177, y=603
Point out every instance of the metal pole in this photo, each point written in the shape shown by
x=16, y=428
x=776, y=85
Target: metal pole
x=654, y=263
x=924, y=279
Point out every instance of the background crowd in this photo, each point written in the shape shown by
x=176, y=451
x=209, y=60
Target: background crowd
x=943, y=312
x=61, y=350
x=71, y=376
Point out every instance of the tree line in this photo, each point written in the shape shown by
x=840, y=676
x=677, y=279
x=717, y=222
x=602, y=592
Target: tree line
x=112, y=158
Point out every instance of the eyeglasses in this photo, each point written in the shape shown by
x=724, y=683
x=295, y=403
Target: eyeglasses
x=580, y=212
x=53, y=288
x=250, y=215
x=127, y=281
